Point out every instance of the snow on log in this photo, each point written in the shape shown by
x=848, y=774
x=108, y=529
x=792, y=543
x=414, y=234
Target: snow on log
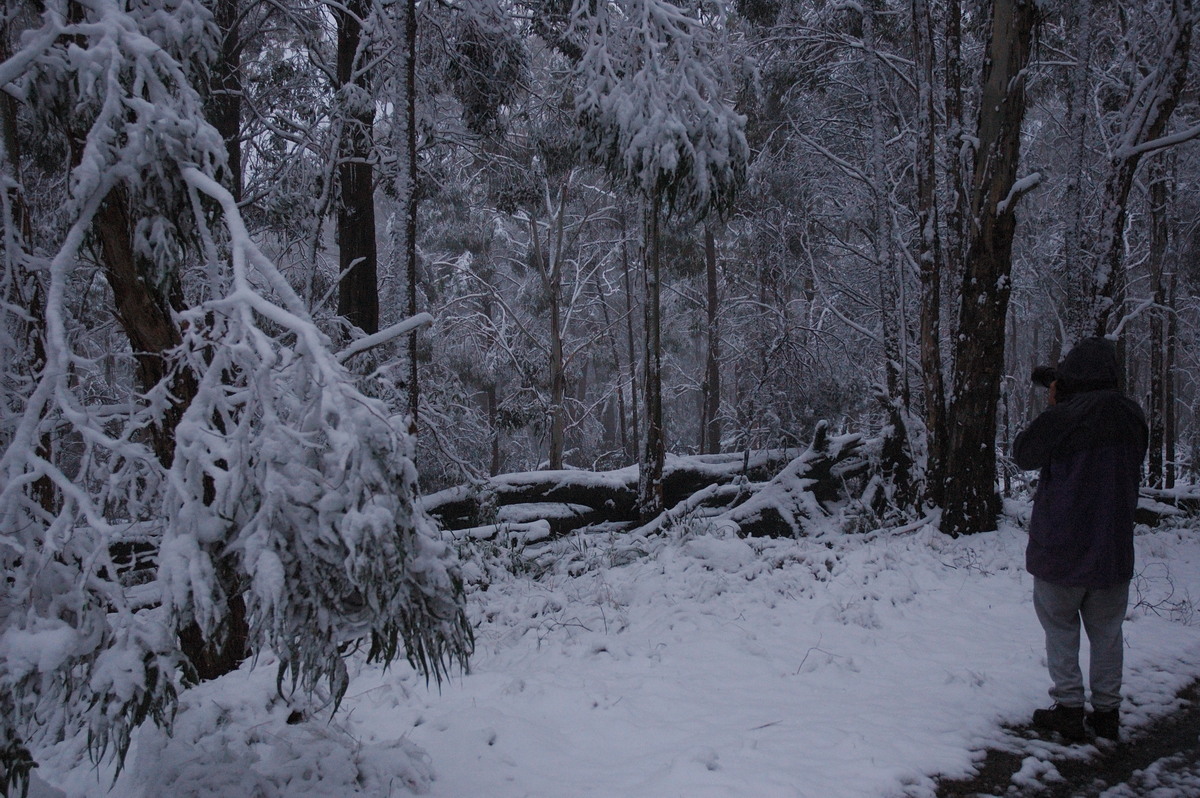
x=1156, y=505
x=706, y=484
x=798, y=494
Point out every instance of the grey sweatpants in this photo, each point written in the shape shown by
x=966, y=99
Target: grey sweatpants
x=1102, y=610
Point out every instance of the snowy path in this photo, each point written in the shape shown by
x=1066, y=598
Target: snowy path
x=1161, y=760
x=839, y=666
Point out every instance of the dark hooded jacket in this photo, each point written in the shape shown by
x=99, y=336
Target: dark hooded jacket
x=1089, y=447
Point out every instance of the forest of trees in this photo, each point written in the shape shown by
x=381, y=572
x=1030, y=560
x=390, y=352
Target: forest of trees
x=272, y=269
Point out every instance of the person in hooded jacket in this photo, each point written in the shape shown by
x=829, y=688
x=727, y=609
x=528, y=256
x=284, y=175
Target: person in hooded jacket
x=1089, y=445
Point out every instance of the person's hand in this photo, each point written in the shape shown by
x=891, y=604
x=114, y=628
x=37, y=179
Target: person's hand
x=1053, y=389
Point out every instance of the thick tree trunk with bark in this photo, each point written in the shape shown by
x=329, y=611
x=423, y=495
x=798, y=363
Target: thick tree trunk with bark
x=358, y=291
x=145, y=315
x=971, y=501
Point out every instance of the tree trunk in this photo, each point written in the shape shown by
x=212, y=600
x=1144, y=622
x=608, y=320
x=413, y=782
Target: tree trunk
x=145, y=315
x=618, y=368
x=928, y=252
x=650, y=467
x=896, y=464
x=710, y=422
x=971, y=501
x=225, y=101
x=1159, y=242
x=881, y=223
x=635, y=427
x=1148, y=112
x=1169, y=383
x=409, y=193
x=146, y=318
x=358, y=291
x=1077, y=197
x=547, y=262
x=956, y=202
x=492, y=406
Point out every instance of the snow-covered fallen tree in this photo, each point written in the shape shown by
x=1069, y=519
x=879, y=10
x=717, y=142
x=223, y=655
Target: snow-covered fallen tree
x=768, y=493
x=799, y=494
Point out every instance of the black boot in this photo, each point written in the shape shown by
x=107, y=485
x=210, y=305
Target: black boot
x=1067, y=721
x=1106, y=723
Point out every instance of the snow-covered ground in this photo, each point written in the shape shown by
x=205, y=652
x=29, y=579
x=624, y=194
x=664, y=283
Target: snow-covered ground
x=689, y=664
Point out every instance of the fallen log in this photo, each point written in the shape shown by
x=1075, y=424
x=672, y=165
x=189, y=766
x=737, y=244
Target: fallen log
x=1156, y=505
x=790, y=503
x=572, y=499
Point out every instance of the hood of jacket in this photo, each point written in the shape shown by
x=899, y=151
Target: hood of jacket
x=1091, y=365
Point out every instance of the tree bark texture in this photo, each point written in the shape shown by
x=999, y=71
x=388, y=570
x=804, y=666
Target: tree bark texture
x=358, y=291
x=971, y=500
x=1079, y=113
x=145, y=315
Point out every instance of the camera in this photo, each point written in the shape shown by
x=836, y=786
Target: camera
x=1044, y=375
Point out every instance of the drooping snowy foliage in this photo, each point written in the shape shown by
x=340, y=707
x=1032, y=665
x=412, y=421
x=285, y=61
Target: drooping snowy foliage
x=284, y=475
x=652, y=103
x=285, y=466
x=76, y=471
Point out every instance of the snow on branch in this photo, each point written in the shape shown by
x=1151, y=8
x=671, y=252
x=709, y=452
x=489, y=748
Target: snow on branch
x=383, y=336
x=285, y=466
x=651, y=104
x=287, y=485
x=1019, y=188
x=1161, y=143
x=77, y=469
